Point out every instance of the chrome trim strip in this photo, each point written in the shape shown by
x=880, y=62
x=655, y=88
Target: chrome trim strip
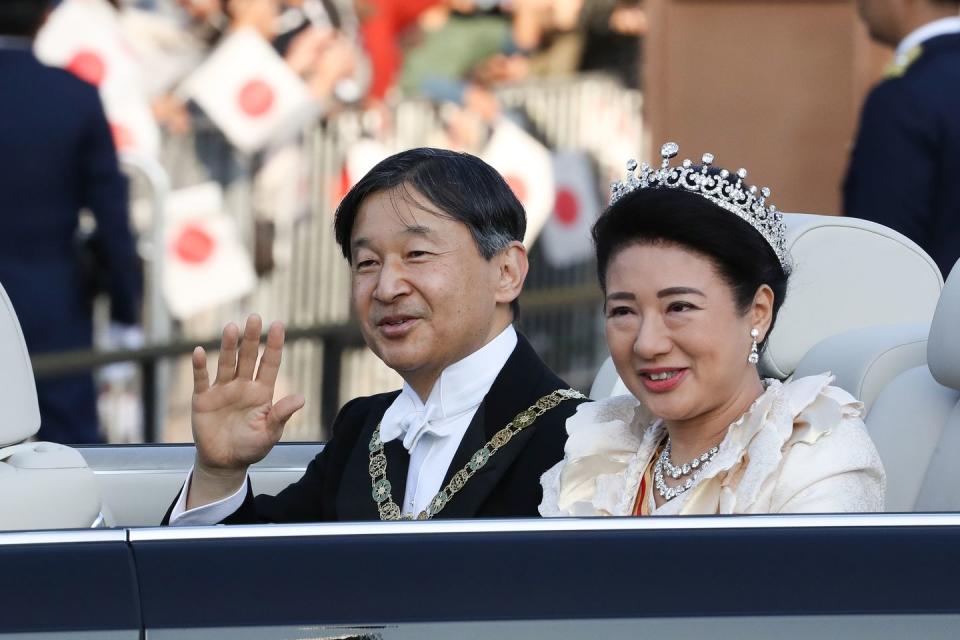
x=254, y=470
x=68, y=536
x=138, y=472
x=120, y=459
x=668, y=523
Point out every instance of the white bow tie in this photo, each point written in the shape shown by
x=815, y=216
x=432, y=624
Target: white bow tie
x=414, y=425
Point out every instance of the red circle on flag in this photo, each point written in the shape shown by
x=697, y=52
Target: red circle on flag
x=567, y=207
x=256, y=98
x=343, y=184
x=122, y=138
x=518, y=186
x=194, y=245
x=88, y=65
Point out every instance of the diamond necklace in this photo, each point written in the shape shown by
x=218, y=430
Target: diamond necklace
x=685, y=469
x=695, y=467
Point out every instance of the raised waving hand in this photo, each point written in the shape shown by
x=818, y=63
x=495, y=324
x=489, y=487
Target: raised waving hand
x=235, y=420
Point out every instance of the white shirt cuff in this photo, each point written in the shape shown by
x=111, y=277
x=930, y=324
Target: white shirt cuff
x=209, y=513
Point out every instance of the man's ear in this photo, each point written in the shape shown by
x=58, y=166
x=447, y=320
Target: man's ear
x=513, y=266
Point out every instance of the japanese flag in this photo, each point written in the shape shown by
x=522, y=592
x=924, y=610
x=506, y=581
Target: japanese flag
x=249, y=92
x=566, y=236
x=527, y=167
x=363, y=155
x=614, y=129
x=205, y=263
x=132, y=123
x=84, y=37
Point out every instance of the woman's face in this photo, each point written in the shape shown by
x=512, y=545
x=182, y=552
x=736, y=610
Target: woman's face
x=679, y=342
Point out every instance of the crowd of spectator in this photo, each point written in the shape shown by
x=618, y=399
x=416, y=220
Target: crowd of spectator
x=364, y=53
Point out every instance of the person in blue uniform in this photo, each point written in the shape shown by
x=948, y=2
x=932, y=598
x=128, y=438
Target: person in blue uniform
x=56, y=158
x=906, y=158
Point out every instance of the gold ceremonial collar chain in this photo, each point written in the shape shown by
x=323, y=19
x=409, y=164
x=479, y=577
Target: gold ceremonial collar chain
x=382, y=490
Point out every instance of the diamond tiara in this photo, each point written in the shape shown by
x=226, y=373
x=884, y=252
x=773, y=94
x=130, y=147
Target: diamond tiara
x=727, y=191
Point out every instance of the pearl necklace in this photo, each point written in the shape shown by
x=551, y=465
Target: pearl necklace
x=694, y=467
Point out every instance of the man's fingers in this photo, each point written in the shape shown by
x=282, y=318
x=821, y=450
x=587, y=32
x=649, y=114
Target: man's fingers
x=249, y=346
x=201, y=379
x=227, y=362
x=270, y=360
x=284, y=409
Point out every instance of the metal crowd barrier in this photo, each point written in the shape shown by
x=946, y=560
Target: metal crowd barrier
x=158, y=326
x=308, y=288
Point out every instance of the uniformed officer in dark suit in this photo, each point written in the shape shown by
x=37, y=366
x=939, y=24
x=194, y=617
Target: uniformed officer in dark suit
x=57, y=157
x=906, y=160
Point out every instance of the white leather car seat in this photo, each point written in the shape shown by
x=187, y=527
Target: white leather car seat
x=859, y=304
x=915, y=421
x=42, y=485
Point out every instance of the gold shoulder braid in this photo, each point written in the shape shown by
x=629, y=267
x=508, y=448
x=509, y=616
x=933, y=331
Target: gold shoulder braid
x=899, y=66
x=382, y=491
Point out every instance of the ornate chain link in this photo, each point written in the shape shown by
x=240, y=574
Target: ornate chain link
x=383, y=492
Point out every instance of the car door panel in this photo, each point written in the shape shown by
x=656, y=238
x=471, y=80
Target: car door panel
x=70, y=584
x=579, y=576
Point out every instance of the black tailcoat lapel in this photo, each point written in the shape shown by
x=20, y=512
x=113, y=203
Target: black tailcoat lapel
x=355, y=497
x=518, y=386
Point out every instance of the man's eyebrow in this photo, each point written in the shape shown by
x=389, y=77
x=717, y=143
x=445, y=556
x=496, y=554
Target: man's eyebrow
x=417, y=230
x=413, y=229
x=679, y=291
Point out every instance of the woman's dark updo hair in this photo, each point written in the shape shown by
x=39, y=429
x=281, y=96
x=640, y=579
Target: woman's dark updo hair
x=742, y=256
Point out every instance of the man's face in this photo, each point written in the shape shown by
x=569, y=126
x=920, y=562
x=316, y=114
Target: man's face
x=884, y=19
x=423, y=294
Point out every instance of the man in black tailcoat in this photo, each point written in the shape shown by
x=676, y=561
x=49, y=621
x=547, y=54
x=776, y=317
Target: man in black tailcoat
x=434, y=241
x=906, y=159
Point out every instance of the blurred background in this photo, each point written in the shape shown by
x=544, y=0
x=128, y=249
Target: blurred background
x=241, y=124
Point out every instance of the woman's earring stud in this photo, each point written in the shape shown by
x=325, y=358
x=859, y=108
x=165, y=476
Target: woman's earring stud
x=754, y=356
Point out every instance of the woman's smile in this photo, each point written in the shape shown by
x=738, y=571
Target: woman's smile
x=662, y=380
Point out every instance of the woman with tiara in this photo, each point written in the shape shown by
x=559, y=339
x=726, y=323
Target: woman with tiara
x=693, y=266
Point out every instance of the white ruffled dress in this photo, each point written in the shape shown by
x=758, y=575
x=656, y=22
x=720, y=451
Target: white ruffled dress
x=802, y=447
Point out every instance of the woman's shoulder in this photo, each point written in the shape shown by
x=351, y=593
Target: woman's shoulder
x=801, y=395
x=822, y=414
x=799, y=410
x=817, y=409
x=829, y=447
